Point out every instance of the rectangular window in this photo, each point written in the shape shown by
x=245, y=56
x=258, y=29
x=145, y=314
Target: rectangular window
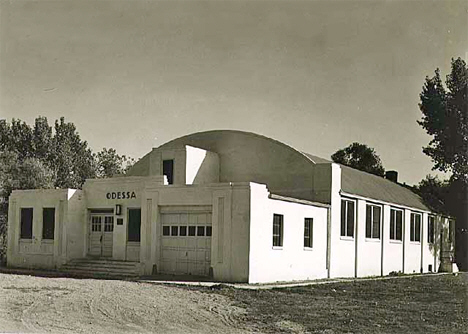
x=109, y=224
x=450, y=231
x=26, y=223
x=191, y=231
x=174, y=231
x=168, y=170
x=48, y=223
x=308, y=232
x=182, y=231
x=277, y=230
x=430, y=229
x=166, y=230
x=208, y=231
x=373, y=217
x=200, y=231
x=96, y=223
x=134, y=224
x=415, y=227
x=396, y=224
x=347, y=218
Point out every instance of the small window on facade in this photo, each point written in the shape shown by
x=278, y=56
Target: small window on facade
x=166, y=230
x=96, y=223
x=430, y=229
x=396, y=224
x=174, y=231
x=191, y=231
x=134, y=224
x=108, y=224
x=208, y=231
x=26, y=223
x=168, y=170
x=373, y=221
x=182, y=231
x=415, y=227
x=450, y=231
x=277, y=230
x=48, y=223
x=200, y=231
x=347, y=218
x=308, y=232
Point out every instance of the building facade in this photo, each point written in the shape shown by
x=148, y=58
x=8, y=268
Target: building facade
x=237, y=207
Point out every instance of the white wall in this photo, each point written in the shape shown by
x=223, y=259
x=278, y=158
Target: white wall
x=291, y=261
x=393, y=249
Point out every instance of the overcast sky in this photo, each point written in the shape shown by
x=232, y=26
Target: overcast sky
x=317, y=75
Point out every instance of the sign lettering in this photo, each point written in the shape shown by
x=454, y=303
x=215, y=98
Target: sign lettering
x=121, y=195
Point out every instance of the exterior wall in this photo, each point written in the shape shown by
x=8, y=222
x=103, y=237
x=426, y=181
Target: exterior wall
x=393, y=249
x=369, y=251
x=343, y=249
x=202, y=166
x=291, y=261
x=412, y=253
x=36, y=252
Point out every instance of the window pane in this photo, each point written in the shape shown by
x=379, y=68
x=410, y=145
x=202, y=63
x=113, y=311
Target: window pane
x=182, y=231
x=376, y=222
x=191, y=231
x=134, y=224
x=26, y=223
x=417, y=229
x=399, y=225
x=48, y=223
x=308, y=232
x=430, y=229
x=368, y=221
x=392, y=224
x=174, y=231
x=109, y=224
x=350, y=220
x=412, y=227
x=208, y=231
x=343, y=218
x=200, y=231
x=277, y=230
x=166, y=230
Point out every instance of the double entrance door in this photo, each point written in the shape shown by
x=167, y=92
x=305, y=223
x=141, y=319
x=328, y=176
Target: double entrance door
x=101, y=234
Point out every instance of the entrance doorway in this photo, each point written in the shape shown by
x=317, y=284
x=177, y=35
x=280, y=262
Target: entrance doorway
x=101, y=233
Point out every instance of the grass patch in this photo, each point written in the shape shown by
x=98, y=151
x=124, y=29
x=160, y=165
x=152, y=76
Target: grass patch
x=427, y=304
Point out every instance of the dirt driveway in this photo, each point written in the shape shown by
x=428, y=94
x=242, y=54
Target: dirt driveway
x=64, y=305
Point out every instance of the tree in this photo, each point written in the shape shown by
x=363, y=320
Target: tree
x=445, y=118
x=361, y=157
x=110, y=163
x=434, y=193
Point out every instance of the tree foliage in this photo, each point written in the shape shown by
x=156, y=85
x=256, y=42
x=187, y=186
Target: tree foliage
x=110, y=163
x=360, y=156
x=445, y=118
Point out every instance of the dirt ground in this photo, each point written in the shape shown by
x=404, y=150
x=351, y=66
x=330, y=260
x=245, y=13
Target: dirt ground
x=64, y=305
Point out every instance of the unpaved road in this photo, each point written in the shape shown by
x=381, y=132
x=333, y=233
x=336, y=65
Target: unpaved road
x=64, y=305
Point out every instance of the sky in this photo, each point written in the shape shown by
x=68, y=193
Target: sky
x=316, y=75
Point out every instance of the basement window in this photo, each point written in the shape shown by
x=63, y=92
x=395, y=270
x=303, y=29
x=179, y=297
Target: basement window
x=277, y=230
x=415, y=227
x=308, y=232
x=373, y=217
x=48, y=223
x=26, y=223
x=396, y=224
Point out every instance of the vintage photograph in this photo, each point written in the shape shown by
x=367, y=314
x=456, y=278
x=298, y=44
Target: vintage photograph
x=240, y=166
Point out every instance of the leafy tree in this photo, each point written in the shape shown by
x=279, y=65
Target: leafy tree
x=361, y=157
x=434, y=193
x=110, y=163
x=445, y=118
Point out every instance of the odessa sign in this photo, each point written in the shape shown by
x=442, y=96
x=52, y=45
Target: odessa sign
x=121, y=195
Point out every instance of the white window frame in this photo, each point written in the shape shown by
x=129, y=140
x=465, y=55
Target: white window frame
x=394, y=237
x=413, y=227
x=372, y=206
x=344, y=233
x=310, y=235
x=279, y=237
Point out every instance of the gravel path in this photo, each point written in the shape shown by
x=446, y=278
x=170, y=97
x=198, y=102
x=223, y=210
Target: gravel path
x=31, y=304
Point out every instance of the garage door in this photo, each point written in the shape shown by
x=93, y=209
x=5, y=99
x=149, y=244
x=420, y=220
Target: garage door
x=186, y=243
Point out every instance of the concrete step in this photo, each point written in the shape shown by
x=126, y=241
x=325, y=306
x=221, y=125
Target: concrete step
x=102, y=268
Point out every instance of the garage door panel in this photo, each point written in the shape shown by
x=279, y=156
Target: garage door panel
x=187, y=252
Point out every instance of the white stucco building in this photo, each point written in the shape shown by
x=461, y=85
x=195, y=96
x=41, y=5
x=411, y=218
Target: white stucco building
x=234, y=206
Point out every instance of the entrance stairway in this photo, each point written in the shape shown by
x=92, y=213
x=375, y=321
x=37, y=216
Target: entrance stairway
x=102, y=268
